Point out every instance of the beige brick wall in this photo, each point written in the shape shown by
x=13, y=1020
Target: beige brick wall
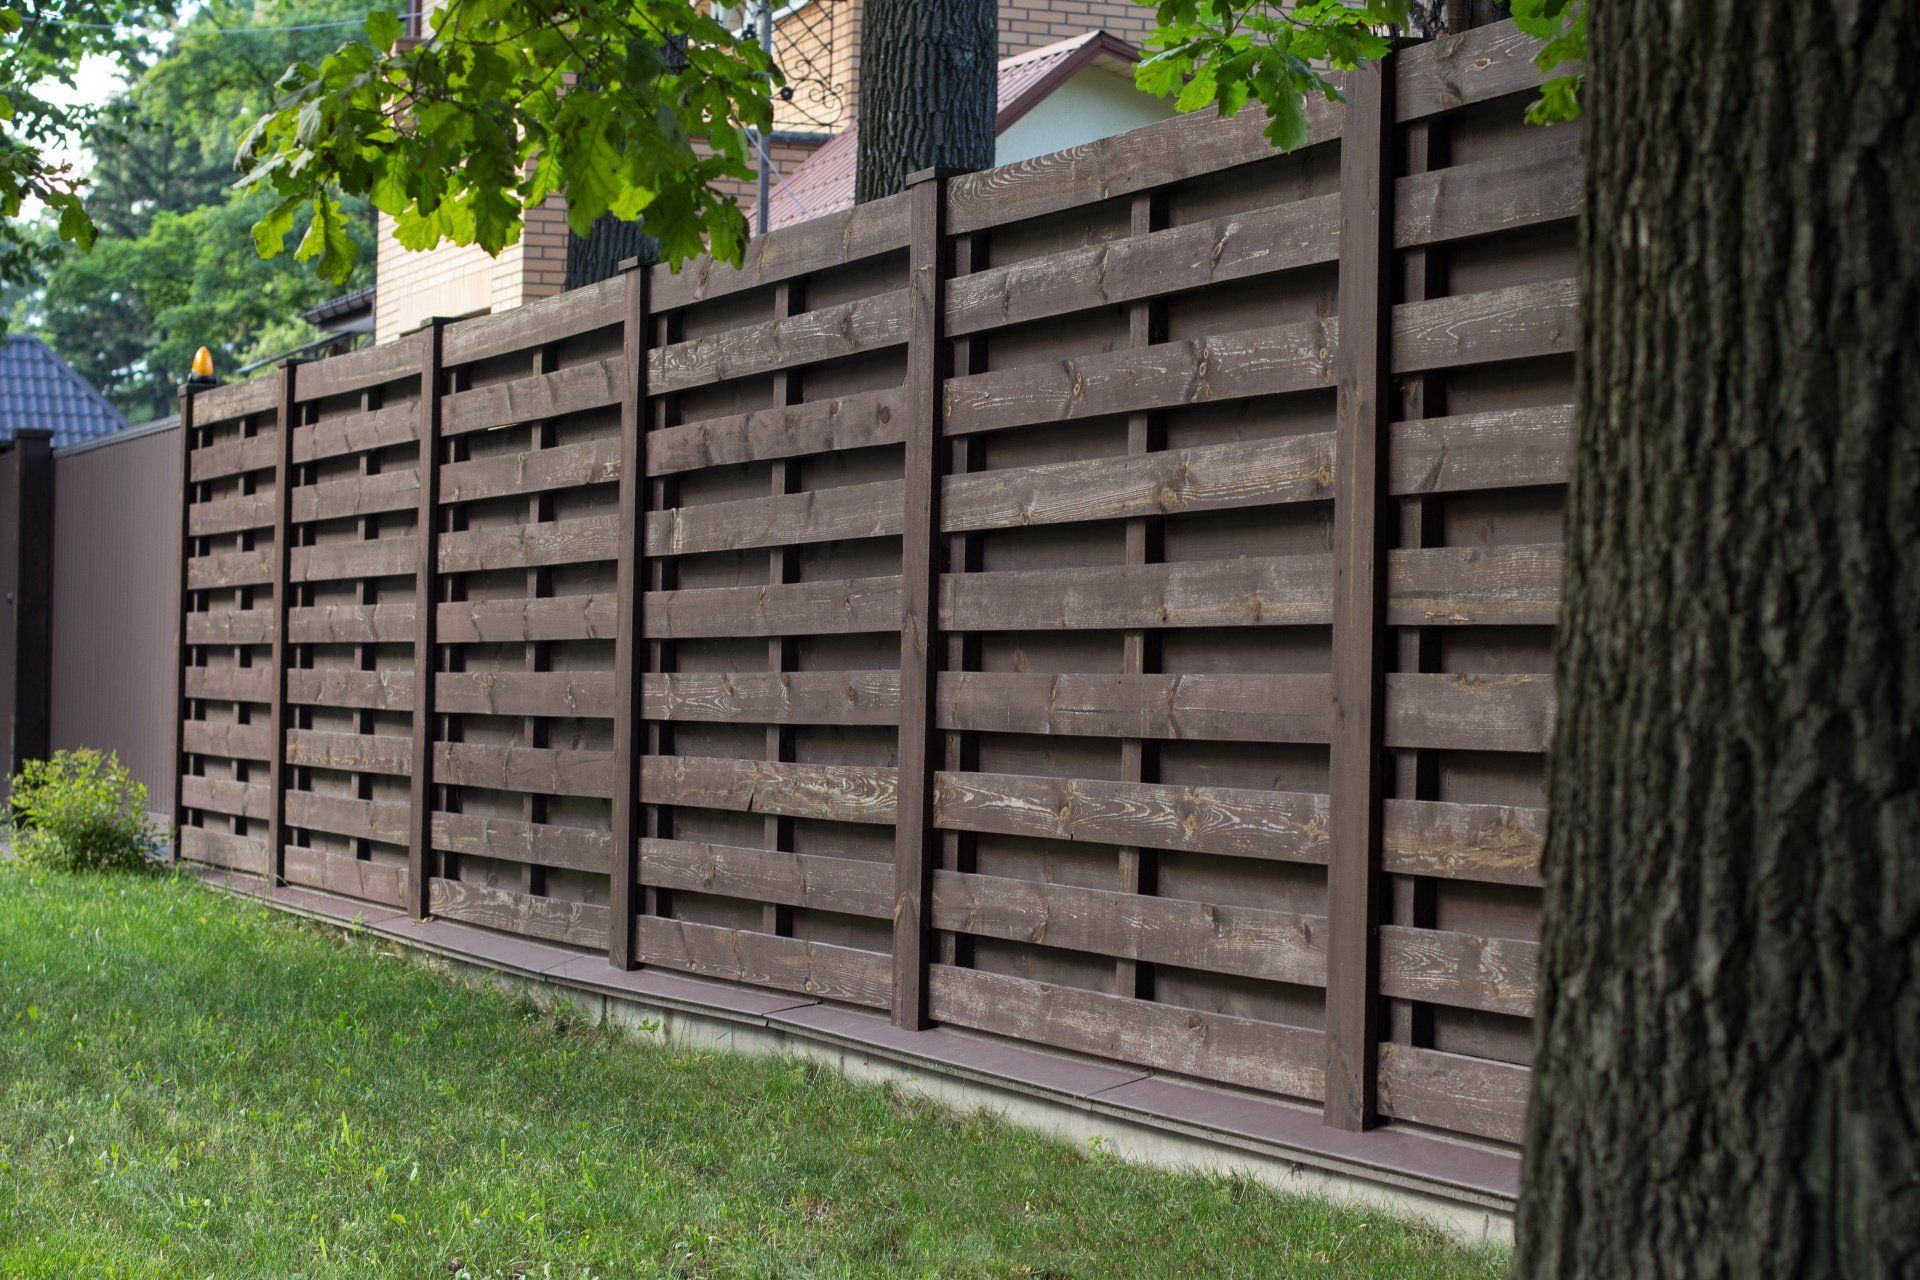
x=1029, y=24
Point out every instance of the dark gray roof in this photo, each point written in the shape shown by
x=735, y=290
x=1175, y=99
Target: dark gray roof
x=38, y=389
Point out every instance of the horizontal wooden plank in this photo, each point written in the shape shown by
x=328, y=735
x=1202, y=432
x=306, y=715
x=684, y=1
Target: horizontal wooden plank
x=832, y=607
x=232, y=741
x=859, y=421
x=235, y=399
x=230, y=684
x=830, y=240
x=230, y=569
x=1229, y=366
x=1226, y=708
x=1239, y=246
x=1218, y=477
x=548, y=771
x=384, y=821
x=831, y=332
x=1252, y=942
x=230, y=626
x=823, y=515
x=1284, y=826
x=1270, y=1056
x=543, y=844
x=1476, y=586
x=1470, y=712
x=223, y=795
x=766, y=697
x=367, y=558
x=1524, y=321
x=848, y=886
x=1503, y=449
x=382, y=882
x=380, y=428
x=835, y=793
x=351, y=623
x=230, y=514
x=530, y=546
x=1456, y=71
x=234, y=457
x=580, y=924
x=357, y=496
x=359, y=370
x=542, y=396
x=577, y=617
x=371, y=690
x=1524, y=188
x=1463, y=970
x=531, y=471
x=524, y=693
x=766, y=960
x=1257, y=591
x=1488, y=843
x=384, y=753
x=1156, y=155
x=550, y=320
x=223, y=849
x=1450, y=1091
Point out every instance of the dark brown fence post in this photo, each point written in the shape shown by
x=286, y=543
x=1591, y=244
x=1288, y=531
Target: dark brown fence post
x=282, y=586
x=426, y=534
x=928, y=362
x=30, y=735
x=1354, y=879
x=183, y=547
x=628, y=725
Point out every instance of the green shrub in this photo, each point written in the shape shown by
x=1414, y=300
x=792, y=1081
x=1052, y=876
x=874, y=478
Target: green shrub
x=81, y=811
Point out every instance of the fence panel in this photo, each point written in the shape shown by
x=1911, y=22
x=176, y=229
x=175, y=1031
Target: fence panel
x=1105, y=602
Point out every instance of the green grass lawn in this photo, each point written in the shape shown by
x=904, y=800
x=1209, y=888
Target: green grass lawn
x=195, y=1086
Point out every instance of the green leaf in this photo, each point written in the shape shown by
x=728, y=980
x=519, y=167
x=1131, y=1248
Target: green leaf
x=383, y=29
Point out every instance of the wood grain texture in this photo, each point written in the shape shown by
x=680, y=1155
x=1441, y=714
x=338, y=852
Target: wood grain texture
x=575, y=389
x=575, y=617
x=834, y=793
x=1464, y=970
x=1454, y=1092
x=844, y=329
x=1230, y=708
x=351, y=752
x=230, y=627
x=581, y=924
x=830, y=240
x=553, y=771
x=525, y=693
x=383, y=820
x=374, y=690
x=1493, y=844
x=1265, y=591
x=551, y=542
x=1517, y=323
x=381, y=882
x=531, y=471
x=1476, y=586
x=544, y=844
x=229, y=457
x=1499, y=449
x=1470, y=712
x=848, y=886
x=761, y=697
x=217, y=795
x=362, y=433
x=764, y=960
x=370, y=558
x=220, y=849
x=357, y=496
x=352, y=623
x=862, y=420
x=826, y=607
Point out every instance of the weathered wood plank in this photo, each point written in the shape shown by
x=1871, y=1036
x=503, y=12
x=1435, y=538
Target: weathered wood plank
x=230, y=569
x=835, y=793
x=1521, y=189
x=1476, y=586
x=371, y=558
x=357, y=433
x=1263, y=591
x=231, y=514
x=220, y=795
x=844, y=329
x=1499, y=975
x=769, y=697
x=1488, y=843
x=352, y=623
x=381, y=882
x=552, y=771
x=1283, y=826
x=1498, y=324
x=1229, y=366
x=1450, y=1091
x=1253, y=942
x=575, y=389
x=374, y=690
x=542, y=844
x=580, y=924
x=555, y=319
x=531, y=471
x=233, y=741
x=830, y=240
x=831, y=607
x=859, y=421
x=384, y=821
x=551, y=542
x=214, y=405
x=358, y=370
x=586, y=617
x=525, y=693
x=357, y=496
x=230, y=457
x=1470, y=712
x=849, y=886
x=1269, y=1056
x=222, y=849
x=350, y=752
x=1503, y=449
x=1229, y=708
x=231, y=626
x=230, y=684
x=1456, y=71
x=823, y=515
x=765, y=960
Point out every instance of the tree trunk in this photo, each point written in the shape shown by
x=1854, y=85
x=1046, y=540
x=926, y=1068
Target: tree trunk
x=1727, y=1080
x=928, y=90
x=1430, y=18
x=597, y=255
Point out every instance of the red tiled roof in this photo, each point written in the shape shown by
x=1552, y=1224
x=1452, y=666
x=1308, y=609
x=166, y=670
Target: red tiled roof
x=823, y=183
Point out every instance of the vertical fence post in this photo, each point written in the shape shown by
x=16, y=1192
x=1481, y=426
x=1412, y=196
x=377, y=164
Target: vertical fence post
x=285, y=416
x=629, y=592
x=1357, y=760
x=426, y=534
x=30, y=733
x=928, y=361
x=183, y=648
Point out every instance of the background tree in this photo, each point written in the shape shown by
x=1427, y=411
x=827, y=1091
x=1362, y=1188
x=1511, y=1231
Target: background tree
x=929, y=89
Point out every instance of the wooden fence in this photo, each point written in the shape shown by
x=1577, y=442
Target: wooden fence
x=1105, y=601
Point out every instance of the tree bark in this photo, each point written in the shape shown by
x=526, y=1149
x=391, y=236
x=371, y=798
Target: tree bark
x=1727, y=1080
x=597, y=255
x=928, y=90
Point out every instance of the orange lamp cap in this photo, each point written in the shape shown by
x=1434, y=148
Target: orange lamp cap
x=203, y=363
